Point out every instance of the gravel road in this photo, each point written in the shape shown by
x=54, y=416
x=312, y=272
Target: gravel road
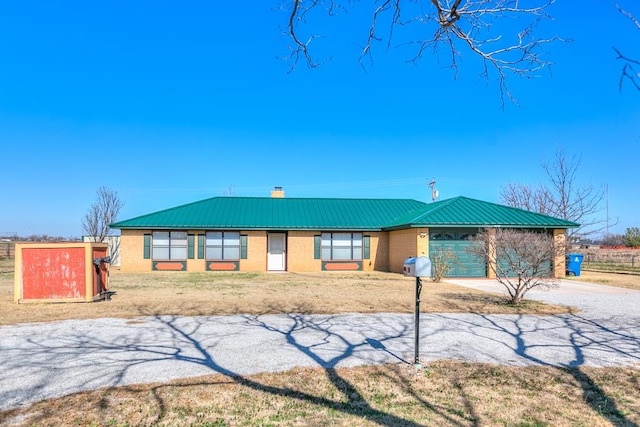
x=39, y=361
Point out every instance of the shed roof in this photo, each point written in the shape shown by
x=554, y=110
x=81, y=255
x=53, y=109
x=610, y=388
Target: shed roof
x=266, y=213
x=466, y=212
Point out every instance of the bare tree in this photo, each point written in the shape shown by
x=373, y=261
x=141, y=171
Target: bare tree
x=521, y=260
x=458, y=26
x=526, y=197
x=442, y=260
x=561, y=196
x=103, y=211
x=613, y=240
x=631, y=67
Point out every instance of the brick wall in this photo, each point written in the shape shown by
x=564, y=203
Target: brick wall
x=559, y=238
x=300, y=251
x=256, y=251
x=379, y=252
x=407, y=243
x=131, y=251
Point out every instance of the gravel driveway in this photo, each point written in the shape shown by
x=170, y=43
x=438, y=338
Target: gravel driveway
x=39, y=361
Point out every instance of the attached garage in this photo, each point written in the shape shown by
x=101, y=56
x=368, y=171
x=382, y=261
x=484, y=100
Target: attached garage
x=455, y=244
x=450, y=223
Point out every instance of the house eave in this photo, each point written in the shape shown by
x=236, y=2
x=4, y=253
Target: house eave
x=254, y=228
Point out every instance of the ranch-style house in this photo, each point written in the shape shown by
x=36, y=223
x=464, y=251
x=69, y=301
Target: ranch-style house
x=318, y=234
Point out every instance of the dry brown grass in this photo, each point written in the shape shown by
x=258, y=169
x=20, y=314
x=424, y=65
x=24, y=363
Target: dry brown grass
x=191, y=293
x=619, y=280
x=442, y=394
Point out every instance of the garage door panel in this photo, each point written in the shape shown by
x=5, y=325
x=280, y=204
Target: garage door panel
x=462, y=262
x=505, y=269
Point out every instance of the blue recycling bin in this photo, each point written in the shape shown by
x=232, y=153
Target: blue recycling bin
x=574, y=261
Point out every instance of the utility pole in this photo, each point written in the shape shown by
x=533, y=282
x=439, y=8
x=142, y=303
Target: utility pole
x=606, y=189
x=434, y=192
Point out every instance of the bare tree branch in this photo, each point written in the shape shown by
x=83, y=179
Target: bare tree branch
x=629, y=71
x=524, y=196
x=459, y=25
x=299, y=10
x=631, y=67
x=103, y=212
x=387, y=5
x=562, y=196
x=568, y=200
x=300, y=49
x=521, y=260
x=628, y=15
x=470, y=24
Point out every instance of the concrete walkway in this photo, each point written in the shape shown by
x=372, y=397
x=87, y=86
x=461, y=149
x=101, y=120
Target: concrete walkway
x=39, y=361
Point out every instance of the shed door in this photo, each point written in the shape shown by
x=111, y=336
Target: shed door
x=276, y=252
x=461, y=262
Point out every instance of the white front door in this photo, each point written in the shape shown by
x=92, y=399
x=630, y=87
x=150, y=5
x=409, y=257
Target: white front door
x=276, y=252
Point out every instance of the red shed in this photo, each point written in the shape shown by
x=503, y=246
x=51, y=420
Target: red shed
x=61, y=272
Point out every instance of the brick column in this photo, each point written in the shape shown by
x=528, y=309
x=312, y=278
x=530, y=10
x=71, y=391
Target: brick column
x=491, y=262
x=559, y=240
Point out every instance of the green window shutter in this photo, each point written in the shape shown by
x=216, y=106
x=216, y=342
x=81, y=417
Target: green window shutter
x=200, y=246
x=366, y=247
x=243, y=246
x=190, y=239
x=147, y=246
x=316, y=246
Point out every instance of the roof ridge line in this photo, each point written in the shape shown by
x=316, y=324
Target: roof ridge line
x=441, y=205
x=297, y=198
x=423, y=209
x=513, y=208
x=531, y=212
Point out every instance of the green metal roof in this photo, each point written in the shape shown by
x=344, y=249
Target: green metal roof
x=267, y=213
x=465, y=212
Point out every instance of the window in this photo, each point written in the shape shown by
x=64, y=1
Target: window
x=169, y=245
x=460, y=234
x=222, y=245
x=341, y=246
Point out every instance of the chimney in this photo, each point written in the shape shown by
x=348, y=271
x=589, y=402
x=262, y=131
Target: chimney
x=277, y=192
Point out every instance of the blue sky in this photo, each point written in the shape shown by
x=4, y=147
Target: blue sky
x=169, y=104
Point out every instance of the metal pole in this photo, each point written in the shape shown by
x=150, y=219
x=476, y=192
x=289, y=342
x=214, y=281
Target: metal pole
x=417, y=325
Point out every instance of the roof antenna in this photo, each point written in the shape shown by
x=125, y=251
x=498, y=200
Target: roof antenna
x=434, y=192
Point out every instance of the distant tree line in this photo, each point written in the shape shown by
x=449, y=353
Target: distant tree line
x=40, y=238
x=630, y=238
